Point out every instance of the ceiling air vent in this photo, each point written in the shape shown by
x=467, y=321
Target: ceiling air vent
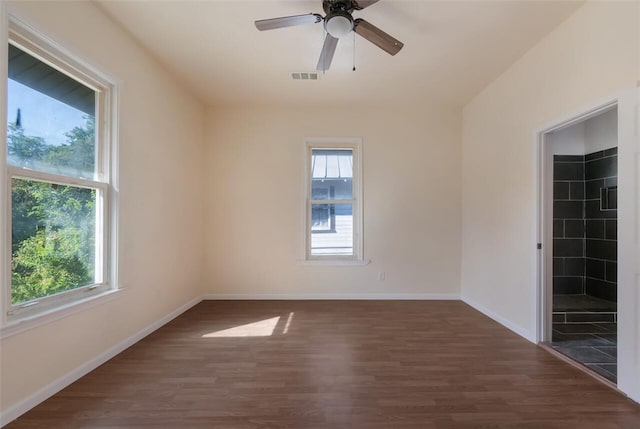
x=305, y=75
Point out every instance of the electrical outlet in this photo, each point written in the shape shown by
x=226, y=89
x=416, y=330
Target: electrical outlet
x=382, y=275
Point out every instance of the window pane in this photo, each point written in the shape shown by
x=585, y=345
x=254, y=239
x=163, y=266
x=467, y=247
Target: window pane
x=332, y=174
x=331, y=229
x=51, y=119
x=53, y=239
x=321, y=217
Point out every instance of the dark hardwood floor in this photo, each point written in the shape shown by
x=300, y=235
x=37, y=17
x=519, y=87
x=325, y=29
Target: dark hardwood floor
x=334, y=364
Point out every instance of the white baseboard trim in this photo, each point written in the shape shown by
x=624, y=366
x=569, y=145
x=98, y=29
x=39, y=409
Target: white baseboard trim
x=331, y=297
x=54, y=387
x=501, y=320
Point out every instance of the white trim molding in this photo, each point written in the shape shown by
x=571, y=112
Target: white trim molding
x=57, y=385
x=527, y=335
x=16, y=410
x=22, y=325
x=19, y=316
x=354, y=144
x=628, y=345
x=542, y=258
x=332, y=296
x=334, y=262
x=5, y=233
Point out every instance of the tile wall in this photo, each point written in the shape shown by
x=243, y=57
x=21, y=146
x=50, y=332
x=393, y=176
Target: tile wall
x=568, y=224
x=601, y=224
x=585, y=224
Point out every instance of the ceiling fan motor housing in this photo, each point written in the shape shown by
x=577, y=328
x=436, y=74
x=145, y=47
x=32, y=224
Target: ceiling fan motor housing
x=338, y=5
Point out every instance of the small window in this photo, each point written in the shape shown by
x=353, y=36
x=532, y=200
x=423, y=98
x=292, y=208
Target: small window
x=333, y=199
x=58, y=168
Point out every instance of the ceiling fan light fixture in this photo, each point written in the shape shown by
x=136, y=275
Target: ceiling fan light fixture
x=338, y=24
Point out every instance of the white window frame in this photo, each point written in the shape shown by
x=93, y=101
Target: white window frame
x=15, y=318
x=355, y=145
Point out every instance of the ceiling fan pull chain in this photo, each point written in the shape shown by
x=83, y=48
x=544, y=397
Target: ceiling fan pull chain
x=354, y=51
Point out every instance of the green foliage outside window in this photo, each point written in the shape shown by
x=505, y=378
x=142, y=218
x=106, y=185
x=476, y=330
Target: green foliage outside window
x=53, y=226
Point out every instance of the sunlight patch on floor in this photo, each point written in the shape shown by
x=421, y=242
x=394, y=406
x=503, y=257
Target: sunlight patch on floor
x=286, y=327
x=263, y=328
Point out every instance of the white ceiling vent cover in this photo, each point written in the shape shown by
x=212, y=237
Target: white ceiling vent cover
x=305, y=75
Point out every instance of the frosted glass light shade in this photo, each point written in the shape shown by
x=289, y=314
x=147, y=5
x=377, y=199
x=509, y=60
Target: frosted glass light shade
x=338, y=26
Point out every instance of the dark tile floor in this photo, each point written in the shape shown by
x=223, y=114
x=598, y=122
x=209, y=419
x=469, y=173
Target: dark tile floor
x=582, y=303
x=584, y=329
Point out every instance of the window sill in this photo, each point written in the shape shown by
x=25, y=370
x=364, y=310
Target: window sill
x=18, y=326
x=335, y=262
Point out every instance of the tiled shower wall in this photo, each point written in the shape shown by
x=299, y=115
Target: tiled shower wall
x=601, y=182
x=585, y=224
x=568, y=225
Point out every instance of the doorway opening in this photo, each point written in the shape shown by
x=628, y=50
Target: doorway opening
x=580, y=202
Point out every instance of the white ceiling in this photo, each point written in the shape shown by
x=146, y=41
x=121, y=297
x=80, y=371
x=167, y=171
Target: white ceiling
x=452, y=49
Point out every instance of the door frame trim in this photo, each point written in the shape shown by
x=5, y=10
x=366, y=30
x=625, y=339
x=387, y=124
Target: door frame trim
x=544, y=222
x=628, y=105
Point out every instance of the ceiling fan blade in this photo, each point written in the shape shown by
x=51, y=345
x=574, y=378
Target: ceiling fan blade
x=377, y=36
x=288, y=21
x=328, y=49
x=361, y=4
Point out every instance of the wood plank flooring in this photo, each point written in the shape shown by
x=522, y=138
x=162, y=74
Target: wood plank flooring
x=334, y=364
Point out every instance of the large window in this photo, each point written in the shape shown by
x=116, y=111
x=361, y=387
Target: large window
x=59, y=179
x=333, y=199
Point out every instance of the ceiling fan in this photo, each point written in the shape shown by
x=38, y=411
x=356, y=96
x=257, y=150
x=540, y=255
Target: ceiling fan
x=338, y=23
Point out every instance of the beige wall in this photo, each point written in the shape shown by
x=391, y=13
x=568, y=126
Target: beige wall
x=601, y=132
x=589, y=57
x=411, y=186
x=253, y=188
x=161, y=209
